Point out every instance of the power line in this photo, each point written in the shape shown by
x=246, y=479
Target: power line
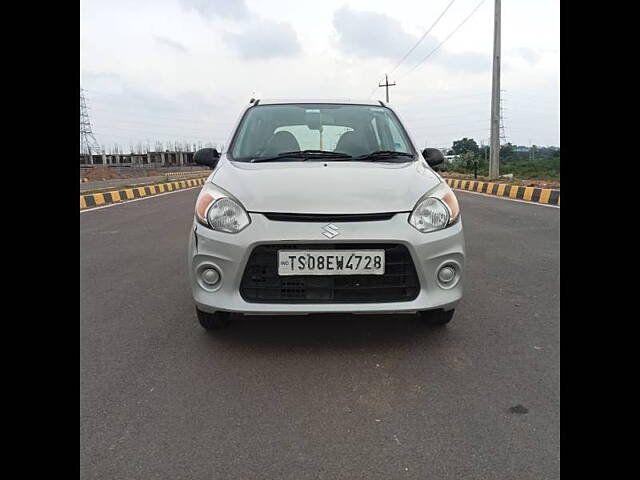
x=417, y=43
x=444, y=99
x=422, y=37
x=422, y=118
x=457, y=124
x=447, y=38
x=538, y=97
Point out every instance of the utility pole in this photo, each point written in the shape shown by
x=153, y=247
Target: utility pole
x=386, y=84
x=494, y=157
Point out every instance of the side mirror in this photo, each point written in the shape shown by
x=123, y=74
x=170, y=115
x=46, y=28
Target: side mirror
x=433, y=156
x=207, y=156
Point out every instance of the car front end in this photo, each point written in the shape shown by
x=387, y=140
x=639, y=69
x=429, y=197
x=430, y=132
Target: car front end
x=325, y=237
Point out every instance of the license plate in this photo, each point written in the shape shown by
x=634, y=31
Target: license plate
x=330, y=262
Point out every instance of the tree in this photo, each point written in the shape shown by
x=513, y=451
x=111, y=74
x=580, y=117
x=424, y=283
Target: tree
x=507, y=152
x=466, y=145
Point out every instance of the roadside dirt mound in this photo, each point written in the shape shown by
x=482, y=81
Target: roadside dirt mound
x=102, y=173
x=105, y=173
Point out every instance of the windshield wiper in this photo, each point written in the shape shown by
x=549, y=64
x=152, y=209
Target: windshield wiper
x=382, y=155
x=304, y=154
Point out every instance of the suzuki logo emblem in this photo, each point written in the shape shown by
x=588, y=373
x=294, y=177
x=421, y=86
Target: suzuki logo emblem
x=330, y=231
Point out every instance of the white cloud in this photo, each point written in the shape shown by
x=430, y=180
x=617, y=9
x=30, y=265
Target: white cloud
x=529, y=55
x=264, y=40
x=371, y=34
x=177, y=46
x=235, y=9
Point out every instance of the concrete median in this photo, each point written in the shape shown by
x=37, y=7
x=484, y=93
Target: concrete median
x=546, y=196
x=122, y=195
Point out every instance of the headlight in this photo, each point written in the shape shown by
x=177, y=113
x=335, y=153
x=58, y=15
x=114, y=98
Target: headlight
x=436, y=210
x=217, y=210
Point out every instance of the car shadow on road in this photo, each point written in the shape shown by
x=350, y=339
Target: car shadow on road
x=342, y=332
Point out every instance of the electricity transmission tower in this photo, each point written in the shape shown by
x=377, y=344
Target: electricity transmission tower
x=88, y=143
x=503, y=136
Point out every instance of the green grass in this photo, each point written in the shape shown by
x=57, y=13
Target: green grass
x=543, y=169
x=540, y=169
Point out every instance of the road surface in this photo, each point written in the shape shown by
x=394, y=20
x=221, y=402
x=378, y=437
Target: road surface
x=320, y=397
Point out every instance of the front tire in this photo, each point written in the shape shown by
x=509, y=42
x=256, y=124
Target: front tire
x=437, y=317
x=213, y=321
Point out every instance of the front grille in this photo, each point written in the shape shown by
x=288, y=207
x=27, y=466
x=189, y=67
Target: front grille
x=321, y=217
x=262, y=284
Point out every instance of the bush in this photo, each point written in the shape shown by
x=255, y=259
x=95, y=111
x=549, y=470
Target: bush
x=540, y=169
x=543, y=169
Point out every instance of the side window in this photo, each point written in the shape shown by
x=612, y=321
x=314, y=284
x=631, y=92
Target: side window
x=388, y=135
x=381, y=128
x=399, y=144
x=374, y=127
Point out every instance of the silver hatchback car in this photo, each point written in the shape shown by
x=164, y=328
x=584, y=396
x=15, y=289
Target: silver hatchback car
x=321, y=206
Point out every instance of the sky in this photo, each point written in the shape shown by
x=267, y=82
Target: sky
x=182, y=70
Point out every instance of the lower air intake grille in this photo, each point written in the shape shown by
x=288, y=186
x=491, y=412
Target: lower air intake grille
x=262, y=284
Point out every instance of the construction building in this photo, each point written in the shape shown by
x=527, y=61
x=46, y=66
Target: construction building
x=154, y=159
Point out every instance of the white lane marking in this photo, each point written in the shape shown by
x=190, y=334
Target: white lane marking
x=137, y=199
x=507, y=198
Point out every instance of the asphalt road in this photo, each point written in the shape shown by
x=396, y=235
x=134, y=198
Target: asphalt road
x=345, y=397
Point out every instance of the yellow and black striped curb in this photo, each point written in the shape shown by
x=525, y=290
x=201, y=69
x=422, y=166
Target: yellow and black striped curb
x=196, y=172
x=116, y=196
x=547, y=196
x=169, y=174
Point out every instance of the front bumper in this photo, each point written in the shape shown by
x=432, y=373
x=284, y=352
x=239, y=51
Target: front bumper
x=229, y=254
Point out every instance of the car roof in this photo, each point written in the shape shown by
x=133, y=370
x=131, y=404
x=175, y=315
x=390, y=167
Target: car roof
x=347, y=101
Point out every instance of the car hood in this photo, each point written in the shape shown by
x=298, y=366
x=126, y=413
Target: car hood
x=332, y=187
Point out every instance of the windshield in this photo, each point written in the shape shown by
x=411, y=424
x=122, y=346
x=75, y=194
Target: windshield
x=354, y=130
